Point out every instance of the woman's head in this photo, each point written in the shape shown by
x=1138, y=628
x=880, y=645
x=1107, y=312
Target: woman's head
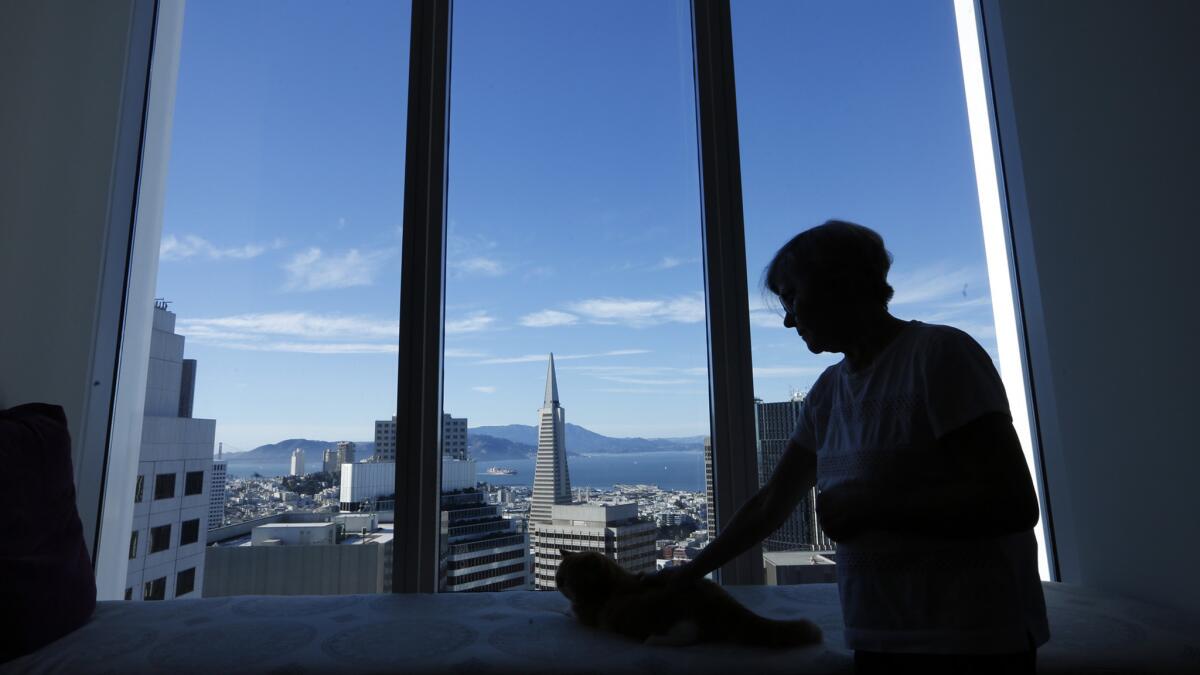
x=827, y=278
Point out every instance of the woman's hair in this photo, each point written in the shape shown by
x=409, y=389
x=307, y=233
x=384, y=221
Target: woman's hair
x=840, y=259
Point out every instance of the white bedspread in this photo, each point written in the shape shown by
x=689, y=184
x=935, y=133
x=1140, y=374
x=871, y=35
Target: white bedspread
x=531, y=632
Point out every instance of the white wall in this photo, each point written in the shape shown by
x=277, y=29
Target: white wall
x=65, y=178
x=1098, y=116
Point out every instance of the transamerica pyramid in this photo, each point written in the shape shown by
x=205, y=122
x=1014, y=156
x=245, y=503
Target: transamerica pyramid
x=551, y=482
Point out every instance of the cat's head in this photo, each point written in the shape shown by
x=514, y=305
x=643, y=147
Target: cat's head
x=588, y=576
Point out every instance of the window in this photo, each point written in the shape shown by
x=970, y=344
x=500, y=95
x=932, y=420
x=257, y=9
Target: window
x=128, y=593
x=189, y=532
x=284, y=203
x=155, y=590
x=185, y=581
x=880, y=139
x=164, y=486
x=133, y=543
x=193, y=483
x=138, y=488
x=160, y=538
x=604, y=273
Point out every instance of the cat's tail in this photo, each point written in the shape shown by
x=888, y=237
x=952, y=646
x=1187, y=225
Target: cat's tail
x=764, y=632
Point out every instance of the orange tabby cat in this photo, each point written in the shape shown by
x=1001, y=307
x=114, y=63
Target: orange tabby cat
x=605, y=596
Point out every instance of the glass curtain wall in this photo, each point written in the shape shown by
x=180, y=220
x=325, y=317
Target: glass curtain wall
x=852, y=111
x=274, y=336
x=575, y=379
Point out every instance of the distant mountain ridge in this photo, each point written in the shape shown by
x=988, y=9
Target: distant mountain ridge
x=581, y=440
x=512, y=441
x=313, y=451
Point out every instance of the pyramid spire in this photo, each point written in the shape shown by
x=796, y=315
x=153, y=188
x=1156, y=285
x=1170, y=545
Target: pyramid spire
x=551, y=384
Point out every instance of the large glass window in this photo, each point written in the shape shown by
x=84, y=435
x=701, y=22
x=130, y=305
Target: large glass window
x=273, y=345
x=852, y=111
x=576, y=400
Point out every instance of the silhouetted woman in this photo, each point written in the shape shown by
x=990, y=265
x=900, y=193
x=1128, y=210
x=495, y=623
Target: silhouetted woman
x=921, y=480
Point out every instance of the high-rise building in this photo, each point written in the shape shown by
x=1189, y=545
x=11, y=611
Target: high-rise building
x=481, y=550
x=216, y=491
x=171, y=496
x=710, y=494
x=366, y=484
x=297, y=468
x=329, y=462
x=345, y=452
x=551, y=481
x=774, y=424
x=614, y=530
x=454, y=438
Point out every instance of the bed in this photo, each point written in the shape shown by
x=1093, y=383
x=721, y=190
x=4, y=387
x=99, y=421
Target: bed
x=531, y=632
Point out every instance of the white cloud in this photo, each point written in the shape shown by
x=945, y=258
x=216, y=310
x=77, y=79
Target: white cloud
x=487, y=267
x=934, y=282
x=628, y=311
x=668, y=262
x=484, y=389
x=304, y=325
x=313, y=270
x=189, y=246
x=534, y=358
x=452, y=353
x=787, y=371
x=645, y=380
x=472, y=323
x=547, y=318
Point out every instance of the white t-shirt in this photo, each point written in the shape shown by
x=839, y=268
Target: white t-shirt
x=906, y=592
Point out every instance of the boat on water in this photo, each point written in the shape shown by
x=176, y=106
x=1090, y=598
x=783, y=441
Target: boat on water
x=500, y=471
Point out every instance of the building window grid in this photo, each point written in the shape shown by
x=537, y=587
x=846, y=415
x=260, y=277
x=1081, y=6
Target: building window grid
x=185, y=582
x=133, y=544
x=484, y=560
x=155, y=590
x=138, y=489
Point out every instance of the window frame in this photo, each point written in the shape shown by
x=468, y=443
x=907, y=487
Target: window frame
x=179, y=577
x=149, y=588
x=113, y=418
x=183, y=531
x=187, y=480
x=158, y=486
x=152, y=543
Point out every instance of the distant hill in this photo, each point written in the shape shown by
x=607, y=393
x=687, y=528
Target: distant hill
x=484, y=448
x=513, y=441
x=313, y=450
x=581, y=440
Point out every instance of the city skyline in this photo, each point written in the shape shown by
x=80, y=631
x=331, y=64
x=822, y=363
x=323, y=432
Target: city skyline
x=573, y=225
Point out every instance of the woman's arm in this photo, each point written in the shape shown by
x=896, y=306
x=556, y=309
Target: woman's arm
x=762, y=514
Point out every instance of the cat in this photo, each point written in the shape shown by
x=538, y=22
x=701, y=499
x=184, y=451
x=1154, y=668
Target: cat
x=605, y=596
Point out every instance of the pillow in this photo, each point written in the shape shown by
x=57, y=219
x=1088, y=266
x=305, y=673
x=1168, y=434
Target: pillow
x=46, y=580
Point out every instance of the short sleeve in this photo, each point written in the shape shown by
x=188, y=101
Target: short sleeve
x=961, y=383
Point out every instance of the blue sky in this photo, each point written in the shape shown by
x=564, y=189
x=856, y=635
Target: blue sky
x=573, y=201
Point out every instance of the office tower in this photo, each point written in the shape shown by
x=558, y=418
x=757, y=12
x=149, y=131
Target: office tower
x=329, y=462
x=175, y=463
x=454, y=438
x=297, y=462
x=774, y=424
x=385, y=440
x=616, y=531
x=710, y=494
x=216, y=491
x=551, y=482
x=345, y=452
x=364, y=486
x=302, y=553
x=481, y=550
